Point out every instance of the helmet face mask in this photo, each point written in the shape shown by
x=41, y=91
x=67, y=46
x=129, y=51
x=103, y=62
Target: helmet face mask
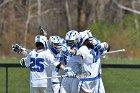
x=71, y=37
x=89, y=44
x=57, y=47
x=55, y=44
x=70, y=42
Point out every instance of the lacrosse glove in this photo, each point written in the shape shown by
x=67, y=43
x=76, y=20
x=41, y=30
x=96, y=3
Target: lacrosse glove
x=69, y=72
x=22, y=62
x=17, y=48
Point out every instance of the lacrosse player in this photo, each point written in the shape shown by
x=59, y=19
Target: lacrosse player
x=55, y=44
x=70, y=85
x=38, y=61
x=100, y=49
x=90, y=63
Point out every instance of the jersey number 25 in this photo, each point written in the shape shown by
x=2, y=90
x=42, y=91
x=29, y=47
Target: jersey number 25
x=37, y=65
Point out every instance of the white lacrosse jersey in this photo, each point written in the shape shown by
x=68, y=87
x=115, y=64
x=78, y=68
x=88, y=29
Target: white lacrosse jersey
x=91, y=65
x=38, y=62
x=56, y=71
x=89, y=62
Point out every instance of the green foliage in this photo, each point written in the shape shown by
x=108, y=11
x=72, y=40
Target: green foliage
x=121, y=34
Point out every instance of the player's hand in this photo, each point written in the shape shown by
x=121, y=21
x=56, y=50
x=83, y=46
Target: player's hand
x=69, y=72
x=104, y=45
x=103, y=55
x=22, y=62
x=108, y=49
x=65, y=50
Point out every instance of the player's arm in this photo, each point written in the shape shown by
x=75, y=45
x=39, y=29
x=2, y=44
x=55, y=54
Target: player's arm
x=67, y=70
x=25, y=61
x=67, y=50
x=59, y=65
x=102, y=47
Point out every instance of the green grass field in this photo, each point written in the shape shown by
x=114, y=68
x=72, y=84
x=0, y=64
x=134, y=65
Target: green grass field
x=115, y=80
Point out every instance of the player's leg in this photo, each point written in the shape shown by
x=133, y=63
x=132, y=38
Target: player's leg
x=56, y=87
x=87, y=86
x=33, y=89
x=74, y=85
x=82, y=91
x=101, y=88
x=49, y=86
x=56, y=82
x=43, y=90
x=65, y=85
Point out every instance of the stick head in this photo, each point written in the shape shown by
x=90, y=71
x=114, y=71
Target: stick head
x=123, y=49
x=42, y=31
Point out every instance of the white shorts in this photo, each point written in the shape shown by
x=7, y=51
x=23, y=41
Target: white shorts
x=99, y=86
x=88, y=84
x=38, y=89
x=56, y=87
x=69, y=85
x=56, y=81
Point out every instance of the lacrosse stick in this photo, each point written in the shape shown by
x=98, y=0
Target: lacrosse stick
x=61, y=76
x=110, y=52
x=42, y=31
x=115, y=51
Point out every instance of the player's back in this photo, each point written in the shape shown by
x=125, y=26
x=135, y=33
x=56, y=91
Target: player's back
x=38, y=62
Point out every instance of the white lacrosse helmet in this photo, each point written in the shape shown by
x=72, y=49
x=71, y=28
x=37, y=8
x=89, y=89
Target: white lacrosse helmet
x=89, y=33
x=82, y=37
x=42, y=39
x=92, y=39
x=55, y=43
x=71, y=37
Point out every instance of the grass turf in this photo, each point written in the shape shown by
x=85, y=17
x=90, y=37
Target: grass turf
x=116, y=80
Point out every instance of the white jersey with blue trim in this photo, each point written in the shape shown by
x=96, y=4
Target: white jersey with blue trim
x=89, y=62
x=99, y=88
x=56, y=71
x=38, y=63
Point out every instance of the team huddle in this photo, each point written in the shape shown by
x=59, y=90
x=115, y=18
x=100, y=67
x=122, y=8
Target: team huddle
x=70, y=65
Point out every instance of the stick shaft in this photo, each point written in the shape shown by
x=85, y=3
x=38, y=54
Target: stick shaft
x=77, y=76
x=115, y=51
x=52, y=77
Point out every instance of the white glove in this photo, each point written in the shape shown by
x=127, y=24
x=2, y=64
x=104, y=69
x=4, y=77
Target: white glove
x=65, y=50
x=69, y=72
x=104, y=45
